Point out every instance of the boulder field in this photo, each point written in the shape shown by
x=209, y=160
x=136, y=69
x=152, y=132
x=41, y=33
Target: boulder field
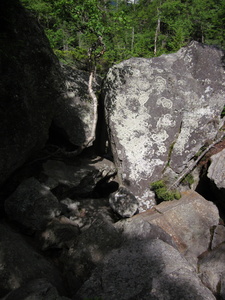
x=86, y=224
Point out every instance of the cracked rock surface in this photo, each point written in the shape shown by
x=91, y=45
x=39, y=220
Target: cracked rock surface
x=161, y=111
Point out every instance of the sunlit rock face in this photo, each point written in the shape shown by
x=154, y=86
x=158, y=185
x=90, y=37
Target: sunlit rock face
x=161, y=111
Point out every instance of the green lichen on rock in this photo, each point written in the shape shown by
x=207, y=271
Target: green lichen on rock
x=162, y=192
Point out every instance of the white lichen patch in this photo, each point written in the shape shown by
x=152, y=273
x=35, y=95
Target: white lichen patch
x=160, y=137
x=160, y=84
x=143, y=98
x=166, y=103
x=166, y=121
x=143, y=85
x=190, y=125
x=132, y=130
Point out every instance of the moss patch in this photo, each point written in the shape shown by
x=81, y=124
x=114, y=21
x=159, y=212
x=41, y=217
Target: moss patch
x=162, y=193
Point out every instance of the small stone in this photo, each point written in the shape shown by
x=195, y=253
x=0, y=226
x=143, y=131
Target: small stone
x=123, y=202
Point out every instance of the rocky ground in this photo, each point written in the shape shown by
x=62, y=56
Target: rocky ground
x=89, y=226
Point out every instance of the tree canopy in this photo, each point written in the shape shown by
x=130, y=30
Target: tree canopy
x=142, y=28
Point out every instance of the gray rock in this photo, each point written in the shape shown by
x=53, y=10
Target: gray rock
x=161, y=111
x=32, y=205
x=189, y=221
x=93, y=244
x=74, y=114
x=216, y=170
x=78, y=178
x=123, y=202
x=139, y=229
x=218, y=236
x=150, y=269
x=212, y=270
x=84, y=212
x=39, y=289
x=30, y=84
x=21, y=264
x=59, y=233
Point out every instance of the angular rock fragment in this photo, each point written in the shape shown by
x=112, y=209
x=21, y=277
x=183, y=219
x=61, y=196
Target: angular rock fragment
x=123, y=202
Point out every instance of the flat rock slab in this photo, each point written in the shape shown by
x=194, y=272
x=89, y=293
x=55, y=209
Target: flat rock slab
x=161, y=111
x=188, y=221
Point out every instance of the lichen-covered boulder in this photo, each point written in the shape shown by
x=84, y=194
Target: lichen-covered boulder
x=161, y=111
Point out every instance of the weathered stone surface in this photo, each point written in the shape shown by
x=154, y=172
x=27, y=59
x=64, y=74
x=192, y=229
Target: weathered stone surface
x=92, y=246
x=150, y=269
x=216, y=170
x=75, y=113
x=20, y=263
x=59, y=233
x=78, y=178
x=84, y=212
x=32, y=205
x=30, y=85
x=212, y=270
x=218, y=236
x=39, y=289
x=139, y=229
x=123, y=202
x=161, y=111
x=188, y=221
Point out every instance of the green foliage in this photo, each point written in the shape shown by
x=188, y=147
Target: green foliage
x=162, y=193
x=188, y=179
x=128, y=29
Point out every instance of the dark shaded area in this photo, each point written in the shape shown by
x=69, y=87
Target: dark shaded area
x=207, y=189
x=58, y=137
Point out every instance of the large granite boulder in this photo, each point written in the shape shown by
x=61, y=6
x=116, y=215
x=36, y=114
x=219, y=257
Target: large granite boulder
x=190, y=222
x=149, y=269
x=75, y=111
x=38, y=96
x=161, y=111
x=30, y=85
